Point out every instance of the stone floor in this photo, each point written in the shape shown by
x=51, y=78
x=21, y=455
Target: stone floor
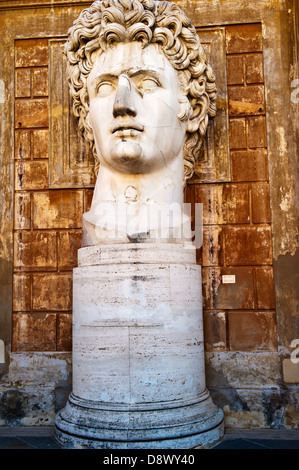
x=42, y=438
x=231, y=443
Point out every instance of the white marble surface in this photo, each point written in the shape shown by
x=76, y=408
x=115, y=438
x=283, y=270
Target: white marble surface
x=137, y=253
x=138, y=331
x=138, y=359
x=135, y=112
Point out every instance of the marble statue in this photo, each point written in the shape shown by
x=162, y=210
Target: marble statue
x=143, y=92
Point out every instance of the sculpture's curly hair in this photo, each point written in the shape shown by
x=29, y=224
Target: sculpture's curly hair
x=150, y=21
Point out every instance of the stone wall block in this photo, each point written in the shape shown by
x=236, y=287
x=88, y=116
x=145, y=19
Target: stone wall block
x=243, y=38
x=217, y=295
x=22, y=211
x=210, y=284
x=22, y=144
x=265, y=288
x=30, y=175
x=260, y=198
x=40, y=82
x=57, y=209
x=237, y=204
x=237, y=133
x=88, y=194
x=52, y=292
x=211, y=196
x=257, y=132
x=35, y=251
x=246, y=99
x=248, y=370
x=249, y=165
x=252, y=331
x=21, y=292
x=211, y=252
x=254, y=68
x=248, y=245
x=235, y=70
x=215, y=331
x=23, y=83
x=34, y=332
x=31, y=52
x=64, y=332
x=40, y=143
x=69, y=243
x=31, y=113
x=238, y=295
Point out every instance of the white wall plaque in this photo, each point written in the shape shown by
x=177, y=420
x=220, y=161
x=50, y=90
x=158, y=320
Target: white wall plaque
x=228, y=279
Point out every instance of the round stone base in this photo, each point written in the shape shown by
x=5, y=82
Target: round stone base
x=83, y=424
x=138, y=352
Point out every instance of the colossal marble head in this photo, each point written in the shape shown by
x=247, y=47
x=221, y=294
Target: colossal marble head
x=147, y=52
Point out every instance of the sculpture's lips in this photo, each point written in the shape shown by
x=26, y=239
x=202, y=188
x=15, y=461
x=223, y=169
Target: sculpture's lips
x=128, y=129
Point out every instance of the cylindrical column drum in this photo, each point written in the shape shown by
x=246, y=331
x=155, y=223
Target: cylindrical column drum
x=138, y=358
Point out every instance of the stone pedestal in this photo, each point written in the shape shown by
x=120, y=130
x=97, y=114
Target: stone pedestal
x=138, y=358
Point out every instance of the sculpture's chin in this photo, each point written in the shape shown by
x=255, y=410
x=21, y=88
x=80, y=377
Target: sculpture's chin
x=126, y=152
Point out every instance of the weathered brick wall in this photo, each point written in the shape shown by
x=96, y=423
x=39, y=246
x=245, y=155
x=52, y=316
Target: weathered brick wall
x=236, y=215
x=47, y=223
x=237, y=225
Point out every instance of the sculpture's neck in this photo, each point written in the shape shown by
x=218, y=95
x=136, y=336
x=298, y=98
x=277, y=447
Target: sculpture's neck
x=141, y=207
x=163, y=187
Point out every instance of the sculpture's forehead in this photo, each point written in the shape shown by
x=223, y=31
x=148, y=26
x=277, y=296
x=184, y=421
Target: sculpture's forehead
x=128, y=56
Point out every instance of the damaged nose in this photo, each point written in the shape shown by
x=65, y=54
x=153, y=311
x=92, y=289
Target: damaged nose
x=123, y=103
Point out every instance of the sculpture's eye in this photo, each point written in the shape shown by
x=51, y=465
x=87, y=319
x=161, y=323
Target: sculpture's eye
x=105, y=88
x=148, y=84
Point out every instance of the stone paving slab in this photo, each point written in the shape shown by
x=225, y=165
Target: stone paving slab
x=230, y=443
x=43, y=438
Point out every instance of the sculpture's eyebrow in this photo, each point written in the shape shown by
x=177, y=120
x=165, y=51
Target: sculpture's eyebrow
x=104, y=76
x=144, y=71
x=130, y=73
